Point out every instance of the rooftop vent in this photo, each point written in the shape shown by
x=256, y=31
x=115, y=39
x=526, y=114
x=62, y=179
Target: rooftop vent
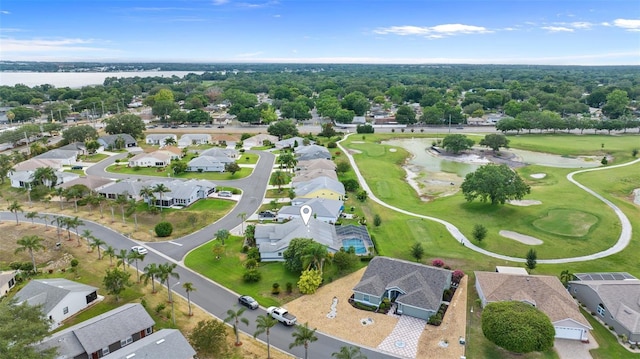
x=160, y=341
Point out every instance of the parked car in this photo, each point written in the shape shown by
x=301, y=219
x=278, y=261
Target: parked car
x=225, y=194
x=248, y=302
x=266, y=215
x=282, y=315
x=76, y=167
x=139, y=249
x=221, y=126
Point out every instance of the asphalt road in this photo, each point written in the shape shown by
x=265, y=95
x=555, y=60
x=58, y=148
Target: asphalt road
x=209, y=295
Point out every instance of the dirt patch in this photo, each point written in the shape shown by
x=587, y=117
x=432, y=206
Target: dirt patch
x=525, y=202
x=522, y=238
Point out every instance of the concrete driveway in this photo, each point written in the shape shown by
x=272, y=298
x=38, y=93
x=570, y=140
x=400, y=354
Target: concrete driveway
x=574, y=349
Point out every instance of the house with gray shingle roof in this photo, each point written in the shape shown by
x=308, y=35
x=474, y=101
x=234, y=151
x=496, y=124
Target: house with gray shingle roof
x=194, y=139
x=325, y=210
x=312, y=152
x=110, y=141
x=416, y=289
x=320, y=187
x=304, y=176
x=208, y=164
x=103, y=334
x=163, y=344
x=273, y=239
x=319, y=164
x=291, y=142
x=158, y=139
x=220, y=152
x=23, y=179
x=60, y=298
x=66, y=157
x=613, y=297
x=181, y=193
x=541, y=291
x=259, y=140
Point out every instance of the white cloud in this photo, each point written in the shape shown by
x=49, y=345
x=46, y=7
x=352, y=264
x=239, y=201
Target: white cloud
x=4, y=12
x=581, y=25
x=277, y=16
x=36, y=45
x=251, y=54
x=434, y=32
x=220, y=2
x=605, y=24
x=629, y=24
x=557, y=29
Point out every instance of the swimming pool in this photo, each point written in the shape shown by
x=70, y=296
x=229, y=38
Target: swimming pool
x=357, y=244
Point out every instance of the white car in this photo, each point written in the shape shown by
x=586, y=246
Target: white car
x=139, y=249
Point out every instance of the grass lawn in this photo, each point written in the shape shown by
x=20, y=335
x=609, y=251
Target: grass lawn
x=287, y=178
x=165, y=172
x=96, y=157
x=78, y=172
x=609, y=347
x=275, y=193
x=247, y=159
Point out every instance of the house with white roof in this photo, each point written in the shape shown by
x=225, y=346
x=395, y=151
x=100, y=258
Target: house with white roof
x=194, y=139
x=181, y=193
x=153, y=159
x=66, y=157
x=292, y=142
x=159, y=139
x=59, y=298
x=259, y=140
x=304, y=176
x=23, y=179
x=320, y=187
x=312, y=152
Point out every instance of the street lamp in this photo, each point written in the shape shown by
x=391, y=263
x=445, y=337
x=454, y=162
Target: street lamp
x=173, y=312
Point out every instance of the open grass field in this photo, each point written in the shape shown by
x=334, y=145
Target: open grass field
x=96, y=157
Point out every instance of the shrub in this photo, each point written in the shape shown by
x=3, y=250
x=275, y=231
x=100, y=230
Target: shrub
x=377, y=221
x=251, y=276
x=164, y=229
x=136, y=168
x=289, y=286
x=435, y=319
x=365, y=129
x=251, y=263
x=275, y=288
x=437, y=263
x=332, y=144
x=254, y=253
x=160, y=307
x=457, y=276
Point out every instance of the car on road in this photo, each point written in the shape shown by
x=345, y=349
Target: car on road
x=139, y=249
x=221, y=126
x=282, y=315
x=248, y=302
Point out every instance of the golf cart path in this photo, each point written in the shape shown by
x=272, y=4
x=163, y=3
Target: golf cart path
x=623, y=240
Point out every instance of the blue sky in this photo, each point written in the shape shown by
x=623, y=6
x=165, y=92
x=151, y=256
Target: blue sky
x=572, y=32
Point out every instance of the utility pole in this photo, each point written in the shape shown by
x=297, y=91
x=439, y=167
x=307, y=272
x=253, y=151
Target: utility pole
x=449, y=123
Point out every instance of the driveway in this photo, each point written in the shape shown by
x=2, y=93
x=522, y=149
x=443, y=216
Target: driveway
x=574, y=349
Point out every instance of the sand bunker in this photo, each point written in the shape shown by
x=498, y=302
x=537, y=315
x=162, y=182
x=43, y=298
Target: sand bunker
x=525, y=202
x=432, y=185
x=522, y=238
x=538, y=175
x=393, y=150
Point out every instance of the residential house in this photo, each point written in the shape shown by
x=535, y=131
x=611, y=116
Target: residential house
x=613, y=297
x=319, y=164
x=79, y=147
x=130, y=187
x=259, y=140
x=66, y=157
x=194, y=139
x=60, y=298
x=174, y=152
x=544, y=292
x=312, y=152
x=122, y=140
x=159, y=139
x=181, y=193
x=165, y=343
x=207, y=164
x=224, y=139
x=320, y=187
x=153, y=159
x=292, y=142
x=103, y=335
x=417, y=290
x=94, y=183
x=23, y=179
x=34, y=163
x=7, y=281
x=220, y=152
x=273, y=239
x=305, y=176
x=325, y=210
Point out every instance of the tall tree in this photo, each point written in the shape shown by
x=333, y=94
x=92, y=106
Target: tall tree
x=235, y=316
x=565, y=277
x=417, y=251
x=279, y=179
x=495, y=141
x=147, y=193
x=457, y=143
x=162, y=189
x=314, y=256
x=208, y=338
x=96, y=243
x=111, y=252
x=23, y=326
x=32, y=216
x=532, y=259
x=264, y=323
x=116, y=281
x=349, y=353
x=45, y=176
x=188, y=288
x=166, y=273
x=6, y=167
x=303, y=336
x=496, y=183
x=14, y=208
x=135, y=257
x=149, y=273
x=30, y=244
x=122, y=256
x=125, y=123
x=222, y=235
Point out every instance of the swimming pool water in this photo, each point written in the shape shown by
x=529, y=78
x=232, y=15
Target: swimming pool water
x=357, y=244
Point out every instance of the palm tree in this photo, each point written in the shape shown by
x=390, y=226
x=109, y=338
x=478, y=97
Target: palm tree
x=315, y=255
x=59, y=223
x=32, y=216
x=88, y=236
x=243, y=216
x=132, y=209
x=122, y=257
x=147, y=193
x=45, y=176
x=96, y=243
x=74, y=223
x=75, y=193
x=188, y=288
x=349, y=353
x=278, y=179
x=59, y=191
x=235, y=316
x=121, y=200
x=100, y=200
x=565, y=277
x=30, y=243
x=162, y=189
x=14, y=208
x=150, y=272
x=135, y=256
x=46, y=221
x=222, y=235
x=303, y=336
x=166, y=272
x=111, y=252
x=169, y=141
x=264, y=323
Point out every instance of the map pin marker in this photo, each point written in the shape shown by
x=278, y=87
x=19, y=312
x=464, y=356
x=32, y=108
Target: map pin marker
x=305, y=213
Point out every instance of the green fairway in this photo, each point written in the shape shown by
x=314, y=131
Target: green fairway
x=566, y=222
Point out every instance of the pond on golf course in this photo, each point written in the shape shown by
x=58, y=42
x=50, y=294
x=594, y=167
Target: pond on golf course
x=432, y=175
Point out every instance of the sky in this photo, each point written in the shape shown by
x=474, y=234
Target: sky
x=545, y=32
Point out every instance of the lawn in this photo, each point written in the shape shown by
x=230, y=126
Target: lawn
x=166, y=172
x=275, y=193
x=78, y=172
x=609, y=347
x=96, y=157
x=247, y=159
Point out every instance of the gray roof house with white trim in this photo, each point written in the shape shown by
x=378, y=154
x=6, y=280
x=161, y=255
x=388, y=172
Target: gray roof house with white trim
x=231, y=153
x=181, y=193
x=416, y=289
x=208, y=164
x=259, y=140
x=291, y=143
x=541, y=291
x=22, y=179
x=66, y=157
x=325, y=210
x=60, y=298
x=273, y=239
x=613, y=297
x=102, y=335
x=194, y=139
x=312, y=152
x=109, y=141
x=163, y=344
x=304, y=176
x=318, y=164
x=158, y=139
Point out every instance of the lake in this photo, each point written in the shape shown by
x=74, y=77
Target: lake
x=77, y=79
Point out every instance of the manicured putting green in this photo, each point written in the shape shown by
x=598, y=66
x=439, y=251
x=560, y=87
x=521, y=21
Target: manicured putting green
x=566, y=222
